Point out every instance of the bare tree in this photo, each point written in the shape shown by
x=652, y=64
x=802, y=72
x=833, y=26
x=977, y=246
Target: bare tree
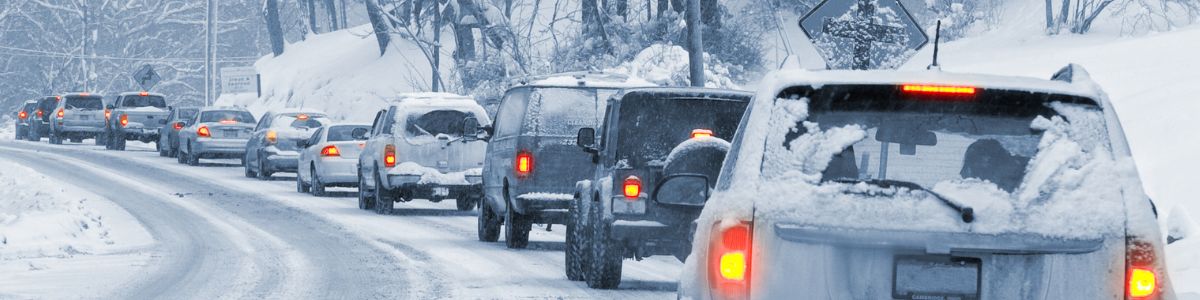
x=274, y=26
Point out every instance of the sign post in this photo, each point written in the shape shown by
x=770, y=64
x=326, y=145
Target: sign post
x=863, y=34
x=146, y=77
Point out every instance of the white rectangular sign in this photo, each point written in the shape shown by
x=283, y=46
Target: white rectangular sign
x=236, y=80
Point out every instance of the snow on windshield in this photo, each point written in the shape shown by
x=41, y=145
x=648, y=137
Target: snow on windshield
x=1064, y=188
x=561, y=112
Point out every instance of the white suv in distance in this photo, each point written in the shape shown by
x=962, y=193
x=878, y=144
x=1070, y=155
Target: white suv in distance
x=927, y=185
x=418, y=150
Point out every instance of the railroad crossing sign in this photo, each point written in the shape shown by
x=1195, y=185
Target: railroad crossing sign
x=863, y=34
x=146, y=77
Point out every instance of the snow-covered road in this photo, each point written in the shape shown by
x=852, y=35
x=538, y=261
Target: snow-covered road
x=222, y=235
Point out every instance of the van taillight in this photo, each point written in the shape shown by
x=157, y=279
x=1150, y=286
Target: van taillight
x=389, y=156
x=1141, y=277
x=524, y=163
x=124, y=120
x=22, y=115
x=203, y=132
x=61, y=113
x=632, y=187
x=332, y=150
x=39, y=113
x=729, y=261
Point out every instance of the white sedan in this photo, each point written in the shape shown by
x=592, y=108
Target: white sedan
x=329, y=158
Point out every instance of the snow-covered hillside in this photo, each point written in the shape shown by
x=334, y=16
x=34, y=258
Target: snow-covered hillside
x=341, y=73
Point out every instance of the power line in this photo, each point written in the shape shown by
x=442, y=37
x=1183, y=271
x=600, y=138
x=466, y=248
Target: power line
x=47, y=54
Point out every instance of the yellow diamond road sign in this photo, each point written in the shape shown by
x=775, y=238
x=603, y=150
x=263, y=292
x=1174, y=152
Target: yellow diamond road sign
x=863, y=34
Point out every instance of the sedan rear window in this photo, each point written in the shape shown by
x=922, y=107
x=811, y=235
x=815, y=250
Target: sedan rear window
x=343, y=133
x=226, y=115
x=302, y=121
x=650, y=128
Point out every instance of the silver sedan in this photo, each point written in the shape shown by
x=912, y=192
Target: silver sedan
x=215, y=132
x=330, y=158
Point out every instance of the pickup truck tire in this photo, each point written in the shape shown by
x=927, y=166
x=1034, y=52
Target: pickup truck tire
x=316, y=187
x=383, y=202
x=575, y=261
x=365, y=201
x=604, y=271
x=516, y=229
x=489, y=223
x=465, y=203
x=54, y=139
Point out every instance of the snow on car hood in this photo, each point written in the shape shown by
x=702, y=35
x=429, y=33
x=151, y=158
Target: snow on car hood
x=1074, y=187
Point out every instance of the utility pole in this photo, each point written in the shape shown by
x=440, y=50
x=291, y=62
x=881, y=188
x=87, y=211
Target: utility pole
x=83, y=60
x=437, y=44
x=695, y=44
x=210, y=52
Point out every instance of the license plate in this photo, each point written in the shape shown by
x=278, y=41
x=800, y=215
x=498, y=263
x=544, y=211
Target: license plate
x=441, y=191
x=935, y=277
x=85, y=117
x=231, y=132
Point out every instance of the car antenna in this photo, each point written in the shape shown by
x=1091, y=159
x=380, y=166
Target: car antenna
x=937, y=40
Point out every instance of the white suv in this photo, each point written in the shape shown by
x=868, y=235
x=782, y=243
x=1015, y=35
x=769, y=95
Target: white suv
x=417, y=149
x=927, y=185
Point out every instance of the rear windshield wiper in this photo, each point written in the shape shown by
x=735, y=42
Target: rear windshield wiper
x=966, y=212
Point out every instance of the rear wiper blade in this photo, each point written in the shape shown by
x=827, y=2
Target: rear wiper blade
x=966, y=212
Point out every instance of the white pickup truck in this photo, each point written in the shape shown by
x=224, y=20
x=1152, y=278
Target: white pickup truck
x=135, y=116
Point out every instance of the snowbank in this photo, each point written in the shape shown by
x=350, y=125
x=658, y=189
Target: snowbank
x=667, y=65
x=42, y=217
x=341, y=73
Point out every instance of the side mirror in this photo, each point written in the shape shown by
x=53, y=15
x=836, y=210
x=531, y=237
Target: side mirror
x=682, y=189
x=586, y=139
x=359, y=134
x=470, y=129
x=302, y=144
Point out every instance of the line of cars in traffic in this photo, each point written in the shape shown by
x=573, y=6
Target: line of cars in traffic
x=821, y=185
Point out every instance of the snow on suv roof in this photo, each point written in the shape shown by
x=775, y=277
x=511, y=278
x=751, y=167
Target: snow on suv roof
x=584, y=79
x=787, y=78
x=139, y=93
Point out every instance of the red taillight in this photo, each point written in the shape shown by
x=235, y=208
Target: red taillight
x=729, y=261
x=302, y=117
x=203, y=132
x=938, y=89
x=700, y=133
x=1141, y=278
x=107, y=114
x=124, y=120
x=272, y=136
x=84, y=94
x=632, y=187
x=178, y=126
x=228, y=122
x=61, y=113
x=332, y=150
x=39, y=113
x=22, y=115
x=143, y=94
x=524, y=163
x=389, y=156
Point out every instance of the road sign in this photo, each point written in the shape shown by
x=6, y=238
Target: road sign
x=146, y=77
x=236, y=80
x=863, y=34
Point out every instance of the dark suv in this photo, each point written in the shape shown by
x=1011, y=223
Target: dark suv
x=535, y=126
x=39, y=124
x=650, y=137
x=24, y=117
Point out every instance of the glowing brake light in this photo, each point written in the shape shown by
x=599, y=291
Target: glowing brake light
x=22, y=115
x=203, y=132
x=729, y=261
x=938, y=89
x=302, y=117
x=272, y=136
x=632, y=187
x=84, y=94
x=124, y=120
x=143, y=94
x=701, y=133
x=332, y=150
x=524, y=163
x=389, y=156
x=178, y=126
x=107, y=114
x=228, y=122
x=39, y=113
x=1142, y=283
x=61, y=113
